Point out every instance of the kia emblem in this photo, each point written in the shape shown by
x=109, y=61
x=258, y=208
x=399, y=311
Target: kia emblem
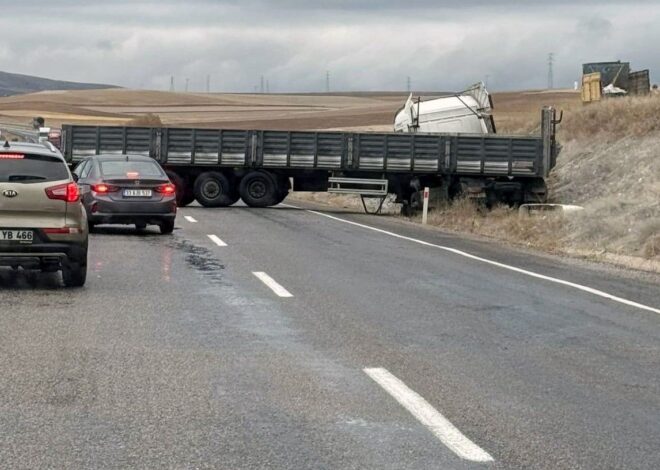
x=9, y=193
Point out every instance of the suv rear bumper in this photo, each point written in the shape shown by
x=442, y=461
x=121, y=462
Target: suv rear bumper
x=40, y=255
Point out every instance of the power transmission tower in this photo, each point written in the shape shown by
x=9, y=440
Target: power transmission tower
x=408, y=85
x=487, y=79
x=551, y=78
x=172, y=83
x=267, y=86
x=327, y=82
x=187, y=83
x=208, y=84
x=261, y=87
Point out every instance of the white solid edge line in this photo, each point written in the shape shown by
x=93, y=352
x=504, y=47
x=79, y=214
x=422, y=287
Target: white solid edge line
x=590, y=290
x=216, y=240
x=272, y=284
x=190, y=219
x=440, y=426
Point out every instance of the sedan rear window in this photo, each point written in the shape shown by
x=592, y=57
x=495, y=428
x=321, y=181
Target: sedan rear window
x=31, y=168
x=131, y=169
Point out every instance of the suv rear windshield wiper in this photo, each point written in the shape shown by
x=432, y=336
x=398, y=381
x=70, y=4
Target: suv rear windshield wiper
x=25, y=178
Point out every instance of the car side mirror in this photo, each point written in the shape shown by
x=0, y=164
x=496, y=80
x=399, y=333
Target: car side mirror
x=75, y=177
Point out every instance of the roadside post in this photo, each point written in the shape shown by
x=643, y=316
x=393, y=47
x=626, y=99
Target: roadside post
x=425, y=211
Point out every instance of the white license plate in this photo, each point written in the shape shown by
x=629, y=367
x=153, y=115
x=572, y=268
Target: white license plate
x=137, y=192
x=21, y=236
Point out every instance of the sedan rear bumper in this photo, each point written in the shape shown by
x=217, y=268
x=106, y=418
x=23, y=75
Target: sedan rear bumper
x=131, y=218
x=131, y=212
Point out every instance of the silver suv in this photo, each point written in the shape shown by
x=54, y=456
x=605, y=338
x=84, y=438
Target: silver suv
x=43, y=224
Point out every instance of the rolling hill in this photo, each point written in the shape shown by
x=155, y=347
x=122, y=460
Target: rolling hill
x=16, y=84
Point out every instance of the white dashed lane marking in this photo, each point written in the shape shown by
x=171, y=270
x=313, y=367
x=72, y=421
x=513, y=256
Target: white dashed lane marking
x=272, y=284
x=215, y=239
x=190, y=219
x=440, y=426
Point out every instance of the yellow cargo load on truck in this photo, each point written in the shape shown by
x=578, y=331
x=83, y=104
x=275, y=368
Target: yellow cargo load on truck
x=591, y=87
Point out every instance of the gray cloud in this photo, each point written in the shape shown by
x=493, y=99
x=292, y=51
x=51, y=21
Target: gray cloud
x=367, y=45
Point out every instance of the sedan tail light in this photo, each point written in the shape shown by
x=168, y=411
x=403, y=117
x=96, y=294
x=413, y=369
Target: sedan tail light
x=168, y=188
x=68, y=192
x=103, y=188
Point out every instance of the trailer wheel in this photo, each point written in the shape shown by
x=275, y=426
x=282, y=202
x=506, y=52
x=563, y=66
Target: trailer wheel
x=184, y=195
x=213, y=189
x=283, y=187
x=188, y=197
x=535, y=192
x=258, y=189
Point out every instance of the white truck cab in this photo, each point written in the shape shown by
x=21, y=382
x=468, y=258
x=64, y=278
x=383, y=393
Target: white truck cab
x=468, y=112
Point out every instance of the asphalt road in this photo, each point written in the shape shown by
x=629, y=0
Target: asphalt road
x=356, y=348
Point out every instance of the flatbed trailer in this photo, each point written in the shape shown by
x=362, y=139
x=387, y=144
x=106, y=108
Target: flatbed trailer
x=216, y=167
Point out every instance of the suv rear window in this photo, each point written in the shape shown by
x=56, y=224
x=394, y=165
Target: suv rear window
x=31, y=168
x=136, y=169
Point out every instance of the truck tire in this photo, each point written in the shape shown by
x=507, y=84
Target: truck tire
x=186, y=199
x=283, y=187
x=213, y=189
x=535, y=192
x=259, y=189
x=184, y=195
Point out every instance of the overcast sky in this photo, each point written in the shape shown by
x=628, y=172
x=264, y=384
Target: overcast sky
x=365, y=44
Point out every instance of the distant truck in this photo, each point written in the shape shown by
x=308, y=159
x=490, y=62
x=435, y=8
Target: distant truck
x=468, y=112
x=217, y=167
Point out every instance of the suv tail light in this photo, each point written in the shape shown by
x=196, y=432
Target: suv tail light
x=62, y=230
x=103, y=188
x=68, y=192
x=168, y=188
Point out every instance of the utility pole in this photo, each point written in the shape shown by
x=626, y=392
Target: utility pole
x=408, y=84
x=187, y=83
x=172, y=83
x=261, y=87
x=267, y=86
x=208, y=84
x=551, y=78
x=487, y=79
x=327, y=81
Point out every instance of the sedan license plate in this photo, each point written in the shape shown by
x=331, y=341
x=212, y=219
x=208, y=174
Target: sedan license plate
x=19, y=236
x=137, y=193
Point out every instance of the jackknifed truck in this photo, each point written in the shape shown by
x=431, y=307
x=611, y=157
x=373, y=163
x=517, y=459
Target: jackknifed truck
x=217, y=167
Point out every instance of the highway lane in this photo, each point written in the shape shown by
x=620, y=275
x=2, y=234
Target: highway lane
x=544, y=375
x=177, y=355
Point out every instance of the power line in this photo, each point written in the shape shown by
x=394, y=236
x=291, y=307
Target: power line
x=551, y=78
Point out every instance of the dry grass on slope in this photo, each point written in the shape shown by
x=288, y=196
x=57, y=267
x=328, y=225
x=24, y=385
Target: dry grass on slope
x=613, y=119
x=610, y=165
